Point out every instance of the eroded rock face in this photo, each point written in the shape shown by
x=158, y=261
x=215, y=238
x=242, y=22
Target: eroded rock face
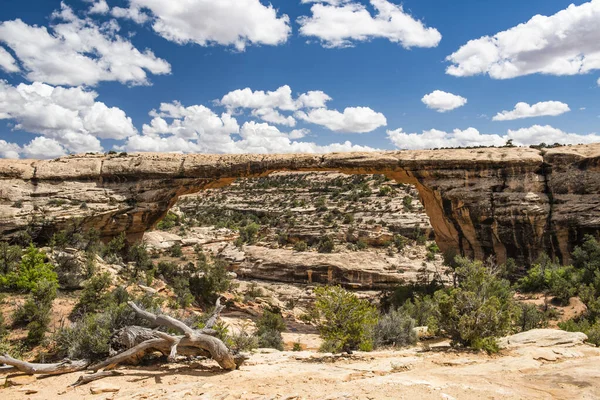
x=507, y=202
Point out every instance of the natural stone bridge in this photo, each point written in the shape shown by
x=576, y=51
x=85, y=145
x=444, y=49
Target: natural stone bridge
x=507, y=202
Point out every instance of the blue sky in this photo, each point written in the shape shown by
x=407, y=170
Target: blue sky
x=383, y=71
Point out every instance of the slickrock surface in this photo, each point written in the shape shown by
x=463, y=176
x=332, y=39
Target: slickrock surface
x=508, y=202
x=554, y=371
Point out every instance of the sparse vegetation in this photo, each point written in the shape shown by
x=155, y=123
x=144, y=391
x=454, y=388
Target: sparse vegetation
x=346, y=322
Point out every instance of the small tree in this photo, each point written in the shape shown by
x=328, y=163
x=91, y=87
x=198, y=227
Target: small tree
x=33, y=269
x=36, y=310
x=94, y=297
x=477, y=311
x=346, y=322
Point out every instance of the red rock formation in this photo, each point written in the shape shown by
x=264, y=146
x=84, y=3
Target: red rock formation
x=507, y=202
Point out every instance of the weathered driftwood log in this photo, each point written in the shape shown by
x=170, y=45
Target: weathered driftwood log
x=171, y=345
x=63, y=367
x=138, y=341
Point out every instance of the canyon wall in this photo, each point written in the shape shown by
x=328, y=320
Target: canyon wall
x=507, y=202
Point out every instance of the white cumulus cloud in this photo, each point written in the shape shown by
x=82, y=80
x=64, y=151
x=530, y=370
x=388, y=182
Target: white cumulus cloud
x=265, y=105
x=471, y=137
x=71, y=117
x=341, y=23
x=352, y=120
x=197, y=129
x=237, y=23
x=566, y=43
x=98, y=7
x=78, y=51
x=524, y=110
x=443, y=101
x=537, y=134
x=436, y=139
x=9, y=150
x=7, y=61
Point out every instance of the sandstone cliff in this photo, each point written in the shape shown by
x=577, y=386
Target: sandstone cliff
x=508, y=202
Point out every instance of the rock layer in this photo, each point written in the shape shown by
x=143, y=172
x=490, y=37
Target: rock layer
x=506, y=202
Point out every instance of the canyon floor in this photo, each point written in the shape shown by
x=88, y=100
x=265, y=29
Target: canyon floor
x=546, y=364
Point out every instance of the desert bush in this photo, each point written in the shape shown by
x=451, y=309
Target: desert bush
x=345, y=321
x=248, y=233
x=326, y=245
x=400, y=242
x=169, y=221
x=550, y=277
x=36, y=311
x=10, y=258
x=530, y=318
x=407, y=203
x=211, y=282
x=300, y=246
x=139, y=256
x=94, y=297
x=31, y=270
x=175, y=250
x=422, y=309
x=585, y=325
x=268, y=329
x=113, y=251
x=395, y=329
x=480, y=309
x=242, y=340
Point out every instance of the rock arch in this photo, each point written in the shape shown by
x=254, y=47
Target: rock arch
x=506, y=202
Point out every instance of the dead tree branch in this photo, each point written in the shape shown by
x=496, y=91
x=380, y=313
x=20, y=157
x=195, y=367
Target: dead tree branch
x=63, y=367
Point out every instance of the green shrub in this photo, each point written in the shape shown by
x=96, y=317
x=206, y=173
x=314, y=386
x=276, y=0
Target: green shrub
x=549, y=277
x=94, y=297
x=480, y=309
x=400, y=242
x=36, y=311
x=213, y=280
x=422, y=309
x=10, y=258
x=296, y=347
x=242, y=341
x=326, y=245
x=591, y=329
x=407, y=203
x=32, y=269
x=300, y=246
x=89, y=337
x=248, y=233
x=268, y=329
x=346, y=322
x=361, y=244
x=139, y=256
x=530, y=318
x=175, y=250
x=112, y=252
x=169, y=221
x=395, y=329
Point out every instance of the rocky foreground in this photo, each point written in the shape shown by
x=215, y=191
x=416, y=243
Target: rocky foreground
x=507, y=202
x=538, y=364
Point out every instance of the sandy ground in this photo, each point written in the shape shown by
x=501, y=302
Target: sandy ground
x=524, y=373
